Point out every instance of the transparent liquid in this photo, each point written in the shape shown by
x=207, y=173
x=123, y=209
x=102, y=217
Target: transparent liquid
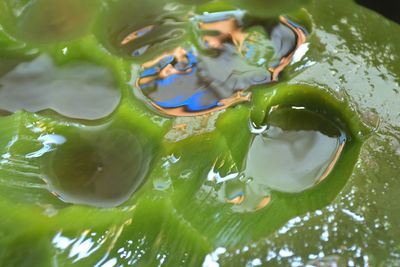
x=79, y=90
x=296, y=150
x=97, y=167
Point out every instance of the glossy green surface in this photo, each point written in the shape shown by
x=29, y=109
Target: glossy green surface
x=349, y=75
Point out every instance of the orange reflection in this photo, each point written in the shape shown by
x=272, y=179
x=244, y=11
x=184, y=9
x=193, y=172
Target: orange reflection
x=179, y=55
x=216, y=35
x=263, y=203
x=236, y=201
x=333, y=163
x=301, y=39
x=136, y=34
x=228, y=30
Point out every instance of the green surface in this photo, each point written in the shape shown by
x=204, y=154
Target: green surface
x=350, y=74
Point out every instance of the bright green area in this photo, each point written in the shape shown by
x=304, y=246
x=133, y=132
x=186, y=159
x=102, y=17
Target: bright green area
x=350, y=74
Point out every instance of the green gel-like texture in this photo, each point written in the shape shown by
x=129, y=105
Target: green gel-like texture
x=350, y=74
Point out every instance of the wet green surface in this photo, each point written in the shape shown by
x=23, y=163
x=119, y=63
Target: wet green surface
x=177, y=216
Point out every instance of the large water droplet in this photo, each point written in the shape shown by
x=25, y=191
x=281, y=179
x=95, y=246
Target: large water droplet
x=101, y=167
x=77, y=90
x=188, y=81
x=298, y=150
x=295, y=150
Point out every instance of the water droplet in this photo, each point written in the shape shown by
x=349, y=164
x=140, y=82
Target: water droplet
x=299, y=149
x=187, y=82
x=98, y=167
x=77, y=90
x=296, y=150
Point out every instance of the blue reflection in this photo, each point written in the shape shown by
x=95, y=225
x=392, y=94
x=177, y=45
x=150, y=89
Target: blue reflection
x=171, y=79
x=156, y=69
x=186, y=68
x=294, y=24
x=193, y=103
